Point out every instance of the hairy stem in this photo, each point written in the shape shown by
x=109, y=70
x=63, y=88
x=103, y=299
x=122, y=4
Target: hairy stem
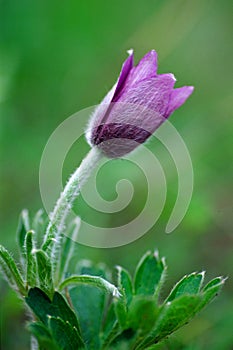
x=68, y=196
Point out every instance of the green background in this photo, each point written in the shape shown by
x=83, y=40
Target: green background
x=59, y=57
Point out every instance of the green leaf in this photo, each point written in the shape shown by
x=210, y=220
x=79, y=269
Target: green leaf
x=89, y=303
x=43, y=336
x=64, y=334
x=121, y=311
x=114, y=332
x=30, y=259
x=172, y=316
x=111, y=327
x=190, y=284
x=63, y=310
x=49, y=240
x=11, y=272
x=67, y=249
x=149, y=275
x=121, y=304
x=216, y=282
x=124, y=283
x=89, y=299
x=44, y=271
x=142, y=316
x=143, y=312
x=87, y=267
x=39, y=224
x=42, y=306
x=94, y=281
x=123, y=341
x=22, y=229
x=211, y=290
x=39, y=330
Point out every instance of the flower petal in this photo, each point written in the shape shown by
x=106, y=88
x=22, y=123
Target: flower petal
x=177, y=98
x=99, y=113
x=126, y=67
x=135, y=107
x=144, y=105
x=145, y=69
x=153, y=93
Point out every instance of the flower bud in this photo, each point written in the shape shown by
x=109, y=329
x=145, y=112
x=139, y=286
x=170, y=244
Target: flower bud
x=135, y=107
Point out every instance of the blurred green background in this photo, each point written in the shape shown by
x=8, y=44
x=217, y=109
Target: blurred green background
x=59, y=57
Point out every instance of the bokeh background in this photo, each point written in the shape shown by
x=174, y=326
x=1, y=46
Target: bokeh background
x=59, y=57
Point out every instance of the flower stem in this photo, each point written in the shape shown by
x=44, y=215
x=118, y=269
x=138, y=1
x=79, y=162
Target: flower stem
x=68, y=196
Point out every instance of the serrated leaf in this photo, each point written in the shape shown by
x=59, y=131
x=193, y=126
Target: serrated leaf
x=10, y=271
x=172, y=316
x=190, y=284
x=114, y=332
x=63, y=310
x=149, y=275
x=44, y=271
x=124, y=283
x=6, y=268
x=210, y=291
x=121, y=304
x=39, y=330
x=42, y=306
x=43, y=336
x=64, y=334
x=87, y=267
x=142, y=315
x=94, y=281
x=89, y=300
x=49, y=239
x=121, y=311
x=22, y=229
x=214, y=282
x=30, y=259
x=111, y=327
x=123, y=341
x=89, y=304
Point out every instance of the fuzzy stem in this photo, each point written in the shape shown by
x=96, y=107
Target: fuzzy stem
x=68, y=196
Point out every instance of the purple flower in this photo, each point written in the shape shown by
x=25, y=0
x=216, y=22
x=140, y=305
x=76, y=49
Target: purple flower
x=135, y=107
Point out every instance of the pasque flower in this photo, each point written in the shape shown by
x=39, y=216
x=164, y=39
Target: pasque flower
x=135, y=107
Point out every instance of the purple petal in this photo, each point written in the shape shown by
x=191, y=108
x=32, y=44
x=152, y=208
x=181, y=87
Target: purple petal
x=127, y=66
x=177, y=98
x=144, y=106
x=135, y=107
x=145, y=69
x=153, y=93
x=99, y=113
x=116, y=139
